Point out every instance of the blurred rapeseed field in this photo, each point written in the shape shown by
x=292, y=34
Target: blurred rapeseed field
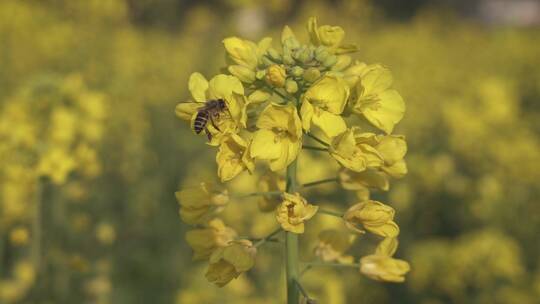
x=91, y=154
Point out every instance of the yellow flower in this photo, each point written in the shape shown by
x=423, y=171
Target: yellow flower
x=392, y=149
x=374, y=216
x=330, y=36
x=233, y=157
x=332, y=245
x=355, y=150
x=381, y=106
x=24, y=273
x=225, y=87
x=199, y=204
x=246, y=54
x=384, y=268
x=323, y=103
x=63, y=125
x=353, y=73
x=204, y=241
x=293, y=212
x=276, y=76
x=227, y=263
x=358, y=181
x=56, y=164
x=279, y=137
x=105, y=233
x=19, y=236
x=270, y=182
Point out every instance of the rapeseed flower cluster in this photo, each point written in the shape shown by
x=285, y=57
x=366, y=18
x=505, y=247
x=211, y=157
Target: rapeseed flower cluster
x=276, y=101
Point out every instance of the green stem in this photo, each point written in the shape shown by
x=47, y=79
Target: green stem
x=318, y=264
x=330, y=212
x=291, y=246
x=323, y=181
x=322, y=142
x=36, y=228
x=257, y=194
x=302, y=290
x=307, y=147
x=268, y=237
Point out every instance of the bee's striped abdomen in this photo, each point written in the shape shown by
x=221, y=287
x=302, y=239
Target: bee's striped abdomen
x=200, y=121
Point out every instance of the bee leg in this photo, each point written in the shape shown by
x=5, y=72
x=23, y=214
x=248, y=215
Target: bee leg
x=214, y=123
x=208, y=134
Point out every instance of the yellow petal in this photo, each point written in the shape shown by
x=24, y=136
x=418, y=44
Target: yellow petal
x=264, y=145
x=243, y=73
x=397, y=170
x=185, y=110
x=389, y=112
x=312, y=28
x=392, y=148
x=223, y=86
x=198, y=86
x=389, y=229
x=258, y=96
x=243, y=52
x=306, y=111
x=331, y=36
x=376, y=79
x=331, y=124
x=387, y=247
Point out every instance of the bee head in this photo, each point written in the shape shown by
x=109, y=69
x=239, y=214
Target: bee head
x=221, y=103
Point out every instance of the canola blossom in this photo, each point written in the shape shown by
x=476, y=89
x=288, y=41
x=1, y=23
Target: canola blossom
x=281, y=100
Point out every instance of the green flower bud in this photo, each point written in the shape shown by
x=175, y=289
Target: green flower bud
x=297, y=71
x=312, y=74
x=298, y=52
x=274, y=54
x=287, y=59
x=266, y=61
x=291, y=86
x=321, y=53
x=343, y=61
x=260, y=74
x=291, y=43
x=330, y=61
x=305, y=55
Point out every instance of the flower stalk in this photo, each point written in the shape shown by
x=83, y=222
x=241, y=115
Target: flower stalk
x=291, y=246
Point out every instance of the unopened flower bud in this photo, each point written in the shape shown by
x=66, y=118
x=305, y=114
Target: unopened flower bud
x=275, y=75
x=266, y=61
x=321, y=53
x=291, y=86
x=291, y=43
x=305, y=55
x=243, y=73
x=274, y=55
x=343, y=62
x=330, y=61
x=312, y=74
x=297, y=71
x=287, y=59
x=260, y=74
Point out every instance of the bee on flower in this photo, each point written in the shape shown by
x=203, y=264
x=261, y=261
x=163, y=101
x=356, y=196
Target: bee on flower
x=279, y=101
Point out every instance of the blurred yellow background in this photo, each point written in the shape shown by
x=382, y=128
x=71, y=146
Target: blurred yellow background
x=91, y=152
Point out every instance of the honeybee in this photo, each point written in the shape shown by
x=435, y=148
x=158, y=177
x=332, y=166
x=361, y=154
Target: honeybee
x=210, y=111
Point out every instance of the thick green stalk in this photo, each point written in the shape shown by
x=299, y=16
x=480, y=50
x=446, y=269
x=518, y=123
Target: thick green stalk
x=36, y=227
x=291, y=247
